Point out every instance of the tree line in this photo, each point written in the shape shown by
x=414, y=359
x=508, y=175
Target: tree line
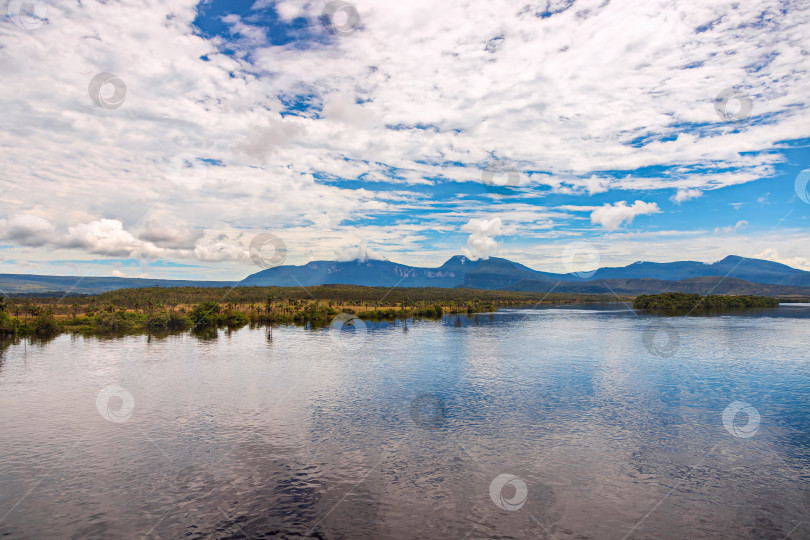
x=683, y=302
x=180, y=308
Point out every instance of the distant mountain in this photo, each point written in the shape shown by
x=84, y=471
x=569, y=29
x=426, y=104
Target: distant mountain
x=754, y=270
x=732, y=275
x=698, y=285
x=36, y=284
x=372, y=273
x=497, y=273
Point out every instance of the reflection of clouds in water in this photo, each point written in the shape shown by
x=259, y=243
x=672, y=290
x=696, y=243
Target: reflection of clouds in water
x=571, y=404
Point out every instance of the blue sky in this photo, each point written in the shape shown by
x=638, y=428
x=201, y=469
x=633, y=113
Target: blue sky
x=381, y=136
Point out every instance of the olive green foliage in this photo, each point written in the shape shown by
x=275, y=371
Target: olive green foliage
x=206, y=309
x=682, y=302
x=168, y=321
x=157, y=298
x=7, y=325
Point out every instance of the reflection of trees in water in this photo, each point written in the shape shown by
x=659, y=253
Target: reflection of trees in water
x=205, y=333
x=5, y=343
x=8, y=341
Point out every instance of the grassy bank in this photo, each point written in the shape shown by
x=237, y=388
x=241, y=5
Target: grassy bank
x=176, y=309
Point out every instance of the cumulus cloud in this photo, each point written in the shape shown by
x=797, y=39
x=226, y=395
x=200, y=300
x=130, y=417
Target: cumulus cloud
x=107, y=237
x=482, y=244
x=595, y=184
x=345, y=109
x=740, y=225
x=167, y=231
x=611, y=216
x=683, y=195
x=360, y=253
x=26, y=230
x=220, y=246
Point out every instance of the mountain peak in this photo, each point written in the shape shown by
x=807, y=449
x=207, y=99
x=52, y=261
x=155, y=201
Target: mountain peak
x=458, y=262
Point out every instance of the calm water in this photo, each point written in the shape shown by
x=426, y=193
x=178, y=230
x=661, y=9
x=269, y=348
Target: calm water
x=617, y=425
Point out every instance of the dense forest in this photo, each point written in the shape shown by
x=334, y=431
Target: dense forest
x=694, y=303
x=159, y=309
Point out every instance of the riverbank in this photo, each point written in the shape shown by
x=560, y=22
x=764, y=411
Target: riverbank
x=177, y=309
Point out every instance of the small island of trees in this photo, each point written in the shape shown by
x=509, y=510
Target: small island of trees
x=694, y=303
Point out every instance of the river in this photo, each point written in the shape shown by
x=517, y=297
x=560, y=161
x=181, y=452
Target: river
x=559, y=422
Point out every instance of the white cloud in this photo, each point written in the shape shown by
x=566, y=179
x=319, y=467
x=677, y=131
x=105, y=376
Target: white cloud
x=740, y=225
x=220, y=246
x=595, y=184
x=360, y=253
x=167, y=231
x=611, y=216
x=26, y=230
x=482, y=244
x=345, y=109
x=105, y=237
x=771, y=254
x=683, y=195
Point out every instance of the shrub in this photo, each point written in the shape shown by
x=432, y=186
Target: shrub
x=45, y=325
x=7, y=325
x=113, y=322
x=168, y=321
x=234, y=319
x=205, y=314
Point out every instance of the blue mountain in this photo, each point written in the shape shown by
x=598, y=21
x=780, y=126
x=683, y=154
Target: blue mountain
x=372, y=273
x=498, y=273
x=459, y=271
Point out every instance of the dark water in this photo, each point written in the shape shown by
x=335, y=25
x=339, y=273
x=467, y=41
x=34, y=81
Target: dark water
x=607, y=424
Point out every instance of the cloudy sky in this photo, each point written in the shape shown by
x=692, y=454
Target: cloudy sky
x=151, y=138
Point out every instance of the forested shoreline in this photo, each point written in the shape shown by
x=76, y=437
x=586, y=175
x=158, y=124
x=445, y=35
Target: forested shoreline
x=157, y=309
x=161, y=310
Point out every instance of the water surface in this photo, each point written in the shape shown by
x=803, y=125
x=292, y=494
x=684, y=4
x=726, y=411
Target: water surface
x=612, y=420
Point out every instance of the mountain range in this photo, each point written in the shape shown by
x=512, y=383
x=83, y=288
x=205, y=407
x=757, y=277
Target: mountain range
x=497, y=273
x=731, y=275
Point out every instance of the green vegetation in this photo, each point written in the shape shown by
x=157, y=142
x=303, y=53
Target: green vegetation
x=157, y=309
x=694, y=303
